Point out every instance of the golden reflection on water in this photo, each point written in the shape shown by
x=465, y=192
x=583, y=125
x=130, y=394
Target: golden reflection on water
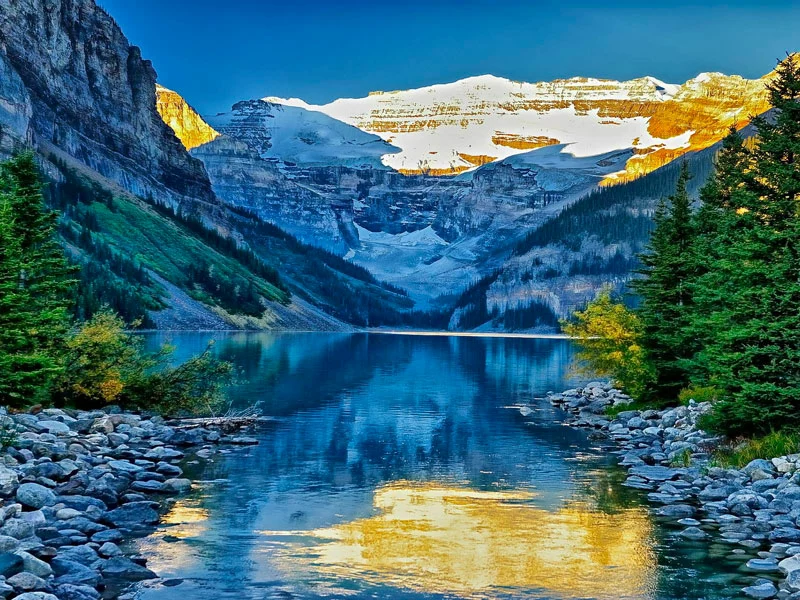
x=451, y=540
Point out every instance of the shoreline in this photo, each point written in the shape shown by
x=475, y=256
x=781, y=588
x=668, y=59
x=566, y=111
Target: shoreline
x=752, y=512
x=77, y=485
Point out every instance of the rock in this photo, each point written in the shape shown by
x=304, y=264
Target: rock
x=36, y=596
x=102, y=424
x=10, y=564
x=8, y=481
x=110, y=535
x=35, y=496
x=676, y=510
x=787, y=565
x=27, y=582
x=68, y=571
x=68, y=591
x=758, y=464
x=763, y=565
x=243, y=441
x=109, y=549
x=793, y=580
x=34, y=565
x=693, y=533
x=124, y=466
x=8, y=543
x=17, y=528
x=133, y=515
x=785, y=534
x=66, y=514
x=55, y=427
x=127, y=570
x=84, y=555
x=655, y=473
x=763, y=590
x=177, y=486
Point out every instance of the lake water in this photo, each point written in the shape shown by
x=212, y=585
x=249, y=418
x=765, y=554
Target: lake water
x=400, y=467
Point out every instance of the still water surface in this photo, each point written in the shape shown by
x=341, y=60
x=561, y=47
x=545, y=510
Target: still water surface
x=400, y=467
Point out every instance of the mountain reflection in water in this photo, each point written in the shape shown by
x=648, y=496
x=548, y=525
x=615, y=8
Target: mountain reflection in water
x=399, y=467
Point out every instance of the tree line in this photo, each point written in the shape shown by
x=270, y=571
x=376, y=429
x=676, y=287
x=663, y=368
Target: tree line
x=719, y=286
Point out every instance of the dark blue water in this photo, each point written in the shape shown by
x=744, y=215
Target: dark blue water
x=400, y=467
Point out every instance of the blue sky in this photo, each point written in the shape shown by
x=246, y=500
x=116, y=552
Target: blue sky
x=215, y=53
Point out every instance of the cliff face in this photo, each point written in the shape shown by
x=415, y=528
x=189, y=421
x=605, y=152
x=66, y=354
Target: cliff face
x=190, y=127
x=71, y=82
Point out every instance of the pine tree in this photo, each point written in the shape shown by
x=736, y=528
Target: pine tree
x=665, y=291
x=750, y=297
x=35, y=286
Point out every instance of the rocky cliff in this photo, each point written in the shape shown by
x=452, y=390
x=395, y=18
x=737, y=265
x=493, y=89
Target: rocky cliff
x=72, y=83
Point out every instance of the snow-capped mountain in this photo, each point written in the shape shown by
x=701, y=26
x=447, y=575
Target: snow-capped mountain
x=449, y=128
x=431, y=188
x=296, y=135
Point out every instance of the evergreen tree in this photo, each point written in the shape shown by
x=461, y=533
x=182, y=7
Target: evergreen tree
x=35, y=286
x=751, y=294
x=665, y=291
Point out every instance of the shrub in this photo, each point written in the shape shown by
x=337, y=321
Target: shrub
x=609, y=337
x=107, y=364
x=775, y=444
x=698, y=394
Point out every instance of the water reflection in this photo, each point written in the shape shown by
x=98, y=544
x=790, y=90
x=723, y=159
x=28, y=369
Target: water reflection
x=398, y=468
x=457, y=540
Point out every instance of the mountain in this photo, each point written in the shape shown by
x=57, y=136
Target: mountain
x=450, y=128
x=138, y=211
x=430, y=189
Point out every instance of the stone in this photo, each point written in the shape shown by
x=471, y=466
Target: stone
x=8, y=543
x=125, y=569
x=793, y=580
x=109, y=549
x=763, y=565
x=655, y=473
x=68, y=571
x=693, y=533
x=110, y=535
x=133, y=515
x=35, y=496
x=34, y=565
x=785, y=534
x=55, y=427
x=8, y=481
x=36, y=596
x=676, y=510
x=177, y=486
x=68, y=591
x=763, y=590
x=124, y=466
x=10, y=564
x=102, y=424
x=787, y=565
x=27, y=582
x=17, y=528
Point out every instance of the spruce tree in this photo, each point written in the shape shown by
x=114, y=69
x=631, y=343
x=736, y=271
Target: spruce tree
x=752, y=351
x=36, y=286
x=665, y=291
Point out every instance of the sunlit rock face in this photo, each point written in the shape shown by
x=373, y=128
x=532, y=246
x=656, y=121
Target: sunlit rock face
x=450, y=128
x=446, y=540
x=190, y=127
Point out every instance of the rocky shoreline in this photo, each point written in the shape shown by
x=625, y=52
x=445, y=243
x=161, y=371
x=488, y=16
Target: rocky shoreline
x=752, y=513
x=75, y=485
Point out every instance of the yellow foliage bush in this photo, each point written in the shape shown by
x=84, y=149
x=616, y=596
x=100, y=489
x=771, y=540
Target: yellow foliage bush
x=608, y=335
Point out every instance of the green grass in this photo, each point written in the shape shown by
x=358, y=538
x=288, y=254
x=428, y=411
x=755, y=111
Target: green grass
x=739, y=454
x=682, y=459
